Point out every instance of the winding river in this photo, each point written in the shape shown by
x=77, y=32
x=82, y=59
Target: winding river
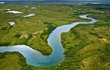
x=35, y=58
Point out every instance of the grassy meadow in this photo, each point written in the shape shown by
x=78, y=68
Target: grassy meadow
x=87, y=47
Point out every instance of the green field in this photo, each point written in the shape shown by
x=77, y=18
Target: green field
x=87, y=47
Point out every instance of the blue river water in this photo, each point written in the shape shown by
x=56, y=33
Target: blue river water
x=35, y=58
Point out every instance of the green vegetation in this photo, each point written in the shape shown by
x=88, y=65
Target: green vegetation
x=87, y=47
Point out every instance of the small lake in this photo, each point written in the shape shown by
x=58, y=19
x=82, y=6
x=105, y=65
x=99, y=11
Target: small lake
x=30, y=15
x=14, y=12
x=35, y=58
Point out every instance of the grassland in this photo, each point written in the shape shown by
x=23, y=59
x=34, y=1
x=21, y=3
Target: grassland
x=87, y=47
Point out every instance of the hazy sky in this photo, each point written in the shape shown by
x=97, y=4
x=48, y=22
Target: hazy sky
x=54, y=0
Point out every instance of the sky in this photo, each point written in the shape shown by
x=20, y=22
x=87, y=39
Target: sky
x=54, y=0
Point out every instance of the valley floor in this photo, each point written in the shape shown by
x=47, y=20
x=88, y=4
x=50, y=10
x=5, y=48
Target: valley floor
x=87, y=47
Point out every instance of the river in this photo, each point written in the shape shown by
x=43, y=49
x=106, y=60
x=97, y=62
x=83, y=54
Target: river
x=35, y=58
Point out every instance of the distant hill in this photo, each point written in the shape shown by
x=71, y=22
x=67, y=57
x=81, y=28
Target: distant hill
x=60, y=0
